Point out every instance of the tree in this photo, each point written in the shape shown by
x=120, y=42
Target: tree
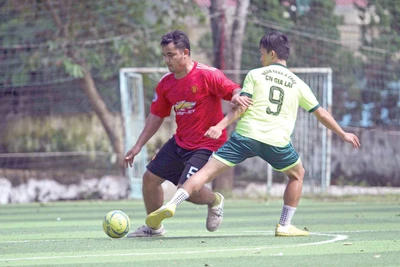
x=86, y=40
x=381, y=42
x=311, y=26
x=264, y=16
x=227, y=25
x=316, y=42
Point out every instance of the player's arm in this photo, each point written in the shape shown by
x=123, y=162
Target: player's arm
x=241, y=100
x=223, y=88
x=215, y=131
x=153, y=123
x=236, y=92
x=329, y=122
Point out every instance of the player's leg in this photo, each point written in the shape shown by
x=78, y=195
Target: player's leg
x=193, y=186
x=153, y=197
x=231, y=153
x=202, y=194
x=294, y=187
x=166, y=165
x=209, y=172
x=234, y=151
x=291, y=199
x=286, y=160
x=194, y=161
x=198, y=192
x=153, y=194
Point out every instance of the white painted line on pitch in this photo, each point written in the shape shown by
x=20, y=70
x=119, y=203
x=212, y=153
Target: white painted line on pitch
x=361, y=231
x=335, y=239
x=80, y=240
x=264, y=233
x=31, y=241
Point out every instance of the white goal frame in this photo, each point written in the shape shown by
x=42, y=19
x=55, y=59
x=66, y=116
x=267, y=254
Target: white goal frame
x=133, y=114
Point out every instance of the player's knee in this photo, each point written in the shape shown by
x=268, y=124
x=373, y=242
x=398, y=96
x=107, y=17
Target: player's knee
x=302, y=172
x=151, y=180
x=298, y=174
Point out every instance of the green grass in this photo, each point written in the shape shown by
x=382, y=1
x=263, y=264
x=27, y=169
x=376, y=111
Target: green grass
x=344, y=233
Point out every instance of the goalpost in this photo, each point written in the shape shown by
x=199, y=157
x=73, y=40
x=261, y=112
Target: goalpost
x=311, y=139
x=133, y=114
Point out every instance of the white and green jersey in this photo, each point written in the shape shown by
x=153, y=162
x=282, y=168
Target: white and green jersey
x=277, y=93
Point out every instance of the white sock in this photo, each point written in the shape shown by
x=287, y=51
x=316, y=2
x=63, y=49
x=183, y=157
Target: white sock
x=287, y=215
x=180, y=196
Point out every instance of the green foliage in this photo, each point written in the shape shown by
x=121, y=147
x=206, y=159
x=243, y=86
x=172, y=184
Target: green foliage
x=101, y=36
x=312, y=27
x=19, y=78
x=315, y=35
x=382, y=30
x=381, y=42
x=72, y=69
x=263, y=16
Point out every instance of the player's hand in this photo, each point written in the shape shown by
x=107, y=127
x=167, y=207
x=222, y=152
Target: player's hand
x=214, y=132
x=243, y=101
x=130, y=155
x=352, y=139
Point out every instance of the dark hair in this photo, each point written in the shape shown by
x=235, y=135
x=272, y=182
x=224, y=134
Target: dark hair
x=278, y=42
x=179, y=38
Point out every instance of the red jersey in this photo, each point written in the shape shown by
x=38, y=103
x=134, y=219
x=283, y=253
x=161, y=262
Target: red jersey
x=196, y=99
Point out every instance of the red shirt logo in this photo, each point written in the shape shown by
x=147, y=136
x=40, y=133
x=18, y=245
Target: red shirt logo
x=194, y=89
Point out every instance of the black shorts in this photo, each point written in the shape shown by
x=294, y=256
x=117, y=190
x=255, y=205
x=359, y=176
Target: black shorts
x=177, y=164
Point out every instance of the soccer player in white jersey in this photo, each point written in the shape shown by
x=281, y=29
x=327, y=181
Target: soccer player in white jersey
x=264, y=130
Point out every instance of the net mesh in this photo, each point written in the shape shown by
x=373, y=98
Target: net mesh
x=48, y=125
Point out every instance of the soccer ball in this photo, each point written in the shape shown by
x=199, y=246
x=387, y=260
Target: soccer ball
x=116, y=224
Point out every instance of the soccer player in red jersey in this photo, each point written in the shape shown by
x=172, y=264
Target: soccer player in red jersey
x=195, y=91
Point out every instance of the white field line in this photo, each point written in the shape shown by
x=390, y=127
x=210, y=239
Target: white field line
x=335, y=238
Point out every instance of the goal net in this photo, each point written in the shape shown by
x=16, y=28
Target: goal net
x=311, y=139
x=50, y=131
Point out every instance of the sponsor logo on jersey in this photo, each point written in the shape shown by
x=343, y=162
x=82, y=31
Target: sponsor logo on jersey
x=184, y=107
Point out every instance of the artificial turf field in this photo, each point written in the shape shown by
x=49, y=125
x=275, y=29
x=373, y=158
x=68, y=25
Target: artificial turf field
x=343, y=233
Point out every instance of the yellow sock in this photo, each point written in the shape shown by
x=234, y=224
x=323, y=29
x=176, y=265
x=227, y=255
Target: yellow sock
x=217, y=200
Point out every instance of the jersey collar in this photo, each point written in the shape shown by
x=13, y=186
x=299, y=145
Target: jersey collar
x=278, y=64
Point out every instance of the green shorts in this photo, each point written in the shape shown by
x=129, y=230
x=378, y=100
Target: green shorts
x=238, y=148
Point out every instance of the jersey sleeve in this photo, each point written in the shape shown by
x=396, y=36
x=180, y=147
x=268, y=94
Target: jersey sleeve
x=160, y=105
x=308, y=101
x=221, y=86
x=248, y=85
